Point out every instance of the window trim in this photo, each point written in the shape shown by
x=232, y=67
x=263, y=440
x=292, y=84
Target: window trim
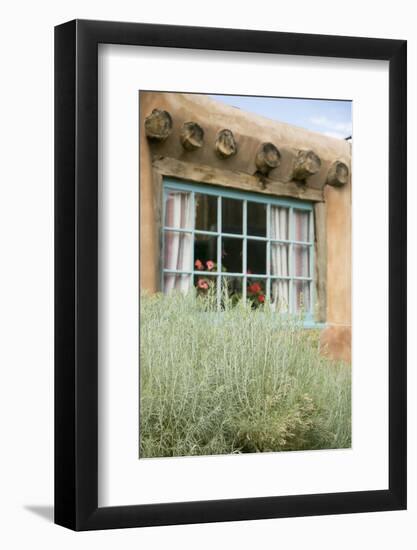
x=171, y=184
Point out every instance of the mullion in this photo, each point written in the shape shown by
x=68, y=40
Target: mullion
x=311, y=285
x=239, y=195
x=219, y=279
x=236, y=235
x=205, y=273
x=190, y=230
x=291, y=235
x=289, y=241
x=253, y=275
x=268, y=252
x=193, y=235
x=245, y=250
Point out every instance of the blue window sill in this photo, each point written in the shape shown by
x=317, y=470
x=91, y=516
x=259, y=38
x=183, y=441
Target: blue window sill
x=314, y=325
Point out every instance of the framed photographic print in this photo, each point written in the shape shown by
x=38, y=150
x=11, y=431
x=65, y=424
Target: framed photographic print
x=230, y=275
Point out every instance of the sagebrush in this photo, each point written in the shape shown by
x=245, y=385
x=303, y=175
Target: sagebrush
x=235, y=381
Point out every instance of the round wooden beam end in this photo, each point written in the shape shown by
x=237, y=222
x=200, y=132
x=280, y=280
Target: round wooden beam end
x=226, y=145
x=158, y=125
x=307, y=163
x=338, y=174
x=192, y=136
x=267, y=158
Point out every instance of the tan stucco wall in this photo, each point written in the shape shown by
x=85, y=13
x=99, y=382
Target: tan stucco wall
x=336, y=338
x=148, y=231
x=251, y=130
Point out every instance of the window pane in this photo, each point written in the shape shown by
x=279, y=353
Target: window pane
x=232, y=254
x=178, y=211
x=256, y=257
x=279, y=260
x=280, y=295
x=205, y=253
x=256, y=213
x=279, y=223
x=301, y=260
x=205, y=212
x=301, y=225
x=232, y=216
x=301, y=296
x=178, y=251
x=179, y=283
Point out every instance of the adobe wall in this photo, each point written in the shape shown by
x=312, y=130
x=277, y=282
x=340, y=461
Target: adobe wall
x=336, y=337
x=250, y=131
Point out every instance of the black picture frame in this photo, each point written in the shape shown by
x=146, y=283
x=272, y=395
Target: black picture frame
x=76, y=272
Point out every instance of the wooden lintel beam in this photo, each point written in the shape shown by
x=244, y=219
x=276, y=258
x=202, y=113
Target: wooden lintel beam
x=238, y=180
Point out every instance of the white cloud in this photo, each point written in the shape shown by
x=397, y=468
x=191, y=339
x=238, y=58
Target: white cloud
x=332, y=127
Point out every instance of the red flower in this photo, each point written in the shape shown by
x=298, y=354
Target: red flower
x=203, y=284
x=199, y=265
x=210, y=265
x=261, y=298
x=255, y=288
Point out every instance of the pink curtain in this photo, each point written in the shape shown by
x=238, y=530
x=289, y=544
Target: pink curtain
x=280, y=267
x=178, y=245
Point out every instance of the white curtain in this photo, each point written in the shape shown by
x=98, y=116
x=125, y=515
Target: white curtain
x=178, y=245
x=279, y=259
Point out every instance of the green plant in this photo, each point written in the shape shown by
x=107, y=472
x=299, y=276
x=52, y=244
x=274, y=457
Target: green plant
x=255, y=290
x=235, y=381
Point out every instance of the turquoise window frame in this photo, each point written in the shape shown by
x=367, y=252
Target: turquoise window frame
x=170, y=184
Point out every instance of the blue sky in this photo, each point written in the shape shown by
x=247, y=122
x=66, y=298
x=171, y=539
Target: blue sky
x=333, y=118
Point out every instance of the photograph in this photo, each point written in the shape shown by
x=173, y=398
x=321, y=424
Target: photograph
x=207, y=237
x=245, y=274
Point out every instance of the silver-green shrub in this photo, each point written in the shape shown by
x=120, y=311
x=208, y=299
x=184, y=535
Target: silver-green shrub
x=235, y=381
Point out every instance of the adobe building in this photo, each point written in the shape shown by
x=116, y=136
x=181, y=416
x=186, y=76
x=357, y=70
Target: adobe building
x=224, y=186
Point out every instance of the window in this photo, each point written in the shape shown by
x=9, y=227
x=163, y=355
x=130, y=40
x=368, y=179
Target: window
x=263, y=247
